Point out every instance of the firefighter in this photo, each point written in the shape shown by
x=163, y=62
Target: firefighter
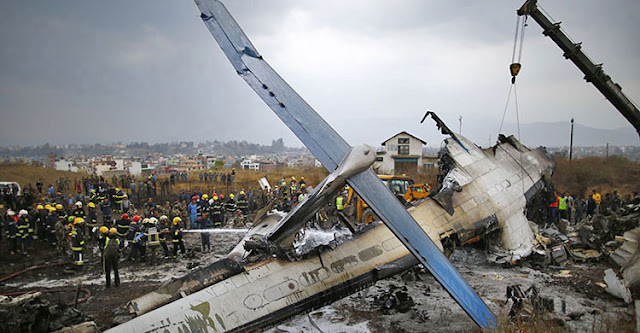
x=78, y=211
x=111, y=257
x=23, y=235
x=163, y=230
x=153, y=239
x=176, y=237
x=217, y=212
x=11, y=231
x=101, y=236
x=117, y=200
x=92, y=217
x=136, y=237
x=229, y=208
x=122, y=226
x=77, y=242
x=40, y=219
x=50, y=225
x=243, y=206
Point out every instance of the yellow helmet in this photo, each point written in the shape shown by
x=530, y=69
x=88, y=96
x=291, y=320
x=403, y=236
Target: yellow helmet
x=302, y=178
x=78, y=220
x=176, y=220
x=242, y=192
x=59, y=207
x=293, y=178
x=47, y=206
x=38, y=207
x=215, y=197
x=205, y=196
x=51, y=209
x=104, y=230
x=91, y=205
x=231, y=195
x=113, y=231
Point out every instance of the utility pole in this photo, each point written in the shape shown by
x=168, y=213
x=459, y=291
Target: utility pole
x=460, y=120
x=571, y=143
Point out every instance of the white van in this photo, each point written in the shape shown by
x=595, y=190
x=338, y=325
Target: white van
x=4, y=185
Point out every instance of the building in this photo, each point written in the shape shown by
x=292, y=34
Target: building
x=400, y=154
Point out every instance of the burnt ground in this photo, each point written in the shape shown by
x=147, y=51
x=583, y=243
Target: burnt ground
x=587, y=306
x=107, y=307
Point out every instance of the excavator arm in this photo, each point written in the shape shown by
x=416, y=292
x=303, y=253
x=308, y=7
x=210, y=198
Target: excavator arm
x=593, y=73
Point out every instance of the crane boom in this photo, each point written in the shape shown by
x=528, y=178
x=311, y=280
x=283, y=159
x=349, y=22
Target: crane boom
x=593, y=73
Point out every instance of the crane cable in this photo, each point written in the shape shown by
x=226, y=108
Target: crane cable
x=514, y=68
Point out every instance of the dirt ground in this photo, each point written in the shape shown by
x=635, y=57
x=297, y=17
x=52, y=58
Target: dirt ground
x=587, y=307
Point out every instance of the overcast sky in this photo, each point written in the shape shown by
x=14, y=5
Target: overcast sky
x=148, y=70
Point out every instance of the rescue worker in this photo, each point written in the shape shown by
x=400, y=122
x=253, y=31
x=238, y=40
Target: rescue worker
x=193, y=211
x=136, y=237
x=40, y=219
x=597, y=198
x=105, y=207
x=217, y=212
x=111, y=257
x=153, y=240
x=117, y=200
x=11, y=231
x=204, y=223
x=77, y=242
x=101, y=236
x=562, y=206
x=50, y=226
x=122, y=228
x=92, y=217
x=243, y=206
x=176, y=237
x=229, y=208
x=203, y=205
x=23, y=235
x=163, y=230
x=78, y=211
x=553, y=208
x=339, y=202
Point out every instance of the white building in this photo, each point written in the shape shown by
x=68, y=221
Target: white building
x=65, y=165
x=248, y=164
x=400, y=154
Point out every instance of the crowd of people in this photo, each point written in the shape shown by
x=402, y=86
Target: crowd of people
x=102, y=215
x=564, y=206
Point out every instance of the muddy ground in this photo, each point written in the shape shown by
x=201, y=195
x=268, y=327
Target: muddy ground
x=587, y=307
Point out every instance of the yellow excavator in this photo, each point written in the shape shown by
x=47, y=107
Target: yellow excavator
x=403, y=187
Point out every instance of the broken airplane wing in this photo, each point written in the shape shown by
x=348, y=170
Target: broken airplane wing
x=330, y=149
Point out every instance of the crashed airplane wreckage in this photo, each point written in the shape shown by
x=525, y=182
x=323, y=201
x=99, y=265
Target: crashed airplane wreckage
x=264, y=279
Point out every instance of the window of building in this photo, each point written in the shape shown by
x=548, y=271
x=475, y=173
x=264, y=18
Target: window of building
x=403, y=141
x=379, y=159
x=403, y=149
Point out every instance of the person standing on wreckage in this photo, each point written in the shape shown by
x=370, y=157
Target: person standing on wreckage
x=204, y=223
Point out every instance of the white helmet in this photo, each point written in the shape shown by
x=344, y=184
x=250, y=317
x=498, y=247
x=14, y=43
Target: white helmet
x=79, y=204
x=164, y=217
x=153, y=220
x=11, y=213
x=211, y=201
x=23, y=212
x=145, y=221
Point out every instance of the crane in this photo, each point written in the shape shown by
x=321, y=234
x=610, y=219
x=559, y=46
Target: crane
x=593, y=72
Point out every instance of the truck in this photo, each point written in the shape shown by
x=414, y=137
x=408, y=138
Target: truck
x=402, y=186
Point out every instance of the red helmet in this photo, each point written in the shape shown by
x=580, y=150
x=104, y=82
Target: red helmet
x=136, y=218
x=221, y=196
x=125, y=216
x=196, y=197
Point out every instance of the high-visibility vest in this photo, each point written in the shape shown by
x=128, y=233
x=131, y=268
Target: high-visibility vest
x=339, y=201
x=562, y=203
x=153, y=237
